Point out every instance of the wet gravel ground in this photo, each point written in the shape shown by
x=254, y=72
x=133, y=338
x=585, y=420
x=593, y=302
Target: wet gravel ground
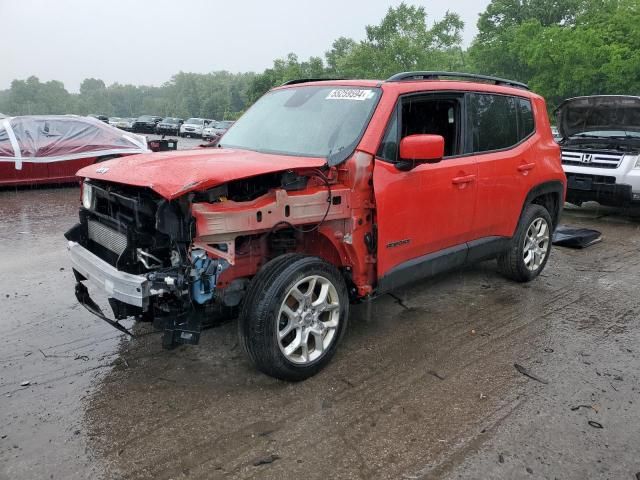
x=423, y=385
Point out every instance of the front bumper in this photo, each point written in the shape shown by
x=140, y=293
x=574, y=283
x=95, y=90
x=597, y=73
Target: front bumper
x=128, y=288
x=609, y=186
x=161, y=130
x=585, y=188
x=144, y=127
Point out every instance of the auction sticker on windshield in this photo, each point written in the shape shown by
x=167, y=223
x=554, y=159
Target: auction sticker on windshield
x=349, y=94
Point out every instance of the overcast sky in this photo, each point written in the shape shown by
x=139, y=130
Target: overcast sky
x=145, y=42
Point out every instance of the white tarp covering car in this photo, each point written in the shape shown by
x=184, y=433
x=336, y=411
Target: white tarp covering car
x=52, y=148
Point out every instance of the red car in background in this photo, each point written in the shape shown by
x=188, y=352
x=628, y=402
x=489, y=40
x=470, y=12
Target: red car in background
x=43, y=149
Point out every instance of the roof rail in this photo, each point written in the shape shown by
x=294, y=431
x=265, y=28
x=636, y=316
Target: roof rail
x=306, y=80
x=408, y=76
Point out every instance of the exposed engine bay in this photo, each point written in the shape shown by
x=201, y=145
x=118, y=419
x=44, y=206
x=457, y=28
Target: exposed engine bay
x=190, y=259
x=629, y=145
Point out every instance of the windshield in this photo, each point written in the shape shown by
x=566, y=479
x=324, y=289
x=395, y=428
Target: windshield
x=309, y=121
x=145, y=118
x=609, y=134
x=170, y=120
x=195, y=121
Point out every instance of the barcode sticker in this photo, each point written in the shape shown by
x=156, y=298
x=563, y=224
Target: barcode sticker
x=349, y=94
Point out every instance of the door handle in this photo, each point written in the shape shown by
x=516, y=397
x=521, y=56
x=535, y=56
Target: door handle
x=463, y=180
x=525, y=167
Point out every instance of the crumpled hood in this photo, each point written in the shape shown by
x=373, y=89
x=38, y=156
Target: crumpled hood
x=172, y=174
x=598, y=112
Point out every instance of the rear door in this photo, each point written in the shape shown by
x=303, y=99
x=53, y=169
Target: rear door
x=498, y=132
x=429, y=208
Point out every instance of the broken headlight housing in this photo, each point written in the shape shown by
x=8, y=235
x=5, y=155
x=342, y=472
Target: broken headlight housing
x=88, y=197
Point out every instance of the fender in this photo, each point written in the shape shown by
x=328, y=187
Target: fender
x=555, y=187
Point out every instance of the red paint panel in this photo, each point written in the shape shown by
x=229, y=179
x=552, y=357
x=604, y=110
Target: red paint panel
x=423, y=210
x=172, y=174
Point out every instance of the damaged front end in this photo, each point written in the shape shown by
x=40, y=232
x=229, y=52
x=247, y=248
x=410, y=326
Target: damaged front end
x=182, y=261
x=136, y=246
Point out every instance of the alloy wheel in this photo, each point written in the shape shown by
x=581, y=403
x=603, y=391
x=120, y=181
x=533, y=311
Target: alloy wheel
x=536, y=244
x=308, y=320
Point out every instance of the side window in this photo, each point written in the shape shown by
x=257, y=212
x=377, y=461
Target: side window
x=388, y=149
x=493, y=122
x=526, y=123
x=424, y=114
x=436, y=115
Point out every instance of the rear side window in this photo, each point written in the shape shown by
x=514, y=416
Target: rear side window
x=497, y=122
x=493, y=122
x=526, y=124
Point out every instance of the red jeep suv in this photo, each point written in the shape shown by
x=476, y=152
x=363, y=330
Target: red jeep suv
x=323, y=193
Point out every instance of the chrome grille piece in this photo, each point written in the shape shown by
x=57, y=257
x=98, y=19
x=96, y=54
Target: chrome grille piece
x=107, y=237
x=597, y=160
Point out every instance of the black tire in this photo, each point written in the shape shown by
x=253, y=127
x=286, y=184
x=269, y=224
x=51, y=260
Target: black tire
x=511, y=263
x=258, y=322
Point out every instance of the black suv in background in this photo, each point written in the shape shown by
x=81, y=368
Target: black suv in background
x=169, y=126
x=146, y=124
x=102, y=118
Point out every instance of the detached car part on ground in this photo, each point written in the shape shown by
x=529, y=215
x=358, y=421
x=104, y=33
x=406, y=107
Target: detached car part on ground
x=43, y=149
x=322, y=194
x=601, y=149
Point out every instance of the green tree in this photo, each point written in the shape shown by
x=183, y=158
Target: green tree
x=283, y=70
x=404, y=42
x=562, y=49
x=341, y=48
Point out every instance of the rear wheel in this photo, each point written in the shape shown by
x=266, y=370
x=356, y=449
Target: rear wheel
x=294, y=316
x=530, y=246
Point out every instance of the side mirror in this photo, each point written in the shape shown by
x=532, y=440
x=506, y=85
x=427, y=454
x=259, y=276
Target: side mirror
x=417, y=149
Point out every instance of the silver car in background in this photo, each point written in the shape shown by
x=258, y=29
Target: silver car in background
x=193, y=127
x=216, y=129
x=125, y=124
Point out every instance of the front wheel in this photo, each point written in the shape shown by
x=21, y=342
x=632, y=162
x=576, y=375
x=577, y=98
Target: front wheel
x=294, y=316
x=530, y=246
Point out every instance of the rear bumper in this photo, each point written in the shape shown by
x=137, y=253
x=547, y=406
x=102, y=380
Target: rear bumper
x=130, y=289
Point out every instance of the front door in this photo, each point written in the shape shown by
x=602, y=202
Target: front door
x=429, y=209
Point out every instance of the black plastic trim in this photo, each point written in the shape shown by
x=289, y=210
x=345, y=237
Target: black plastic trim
x=613, y=195
x=442, y=261
x=486, y=248
x=297, y=81
x=435, y=75
x=554, y=186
